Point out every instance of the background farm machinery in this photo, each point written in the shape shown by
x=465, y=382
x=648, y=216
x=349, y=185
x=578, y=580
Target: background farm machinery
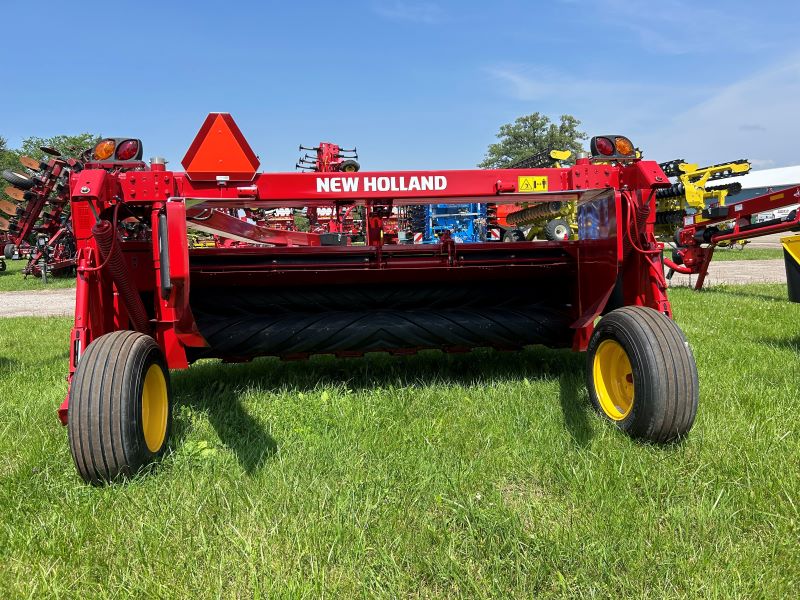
x=692, y=192
x=146, y=302
x=427, y=223
x=343, y=223
x=39, y=229
x=555, y=220
x=689, y=193
x=328, y=158
x=346, y=223
x=703, y=232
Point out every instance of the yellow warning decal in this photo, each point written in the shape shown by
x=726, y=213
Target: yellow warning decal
x=775, y=197
x=527, y=184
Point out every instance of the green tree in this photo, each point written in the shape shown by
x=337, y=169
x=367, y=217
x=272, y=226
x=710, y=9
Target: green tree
x=8, y=158
x=69, y=145
x=531, y=134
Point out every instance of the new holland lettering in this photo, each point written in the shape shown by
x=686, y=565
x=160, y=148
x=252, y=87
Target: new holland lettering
x=337, y=184
x=401, y=183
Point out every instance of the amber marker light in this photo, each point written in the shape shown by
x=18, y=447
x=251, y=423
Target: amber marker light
x=623, y=146
x=104, y=150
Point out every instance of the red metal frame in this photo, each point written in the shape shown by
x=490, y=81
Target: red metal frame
x=328, y=158
x=61, y=256
x=698, y=239
x=615, y=262
x=46, y=191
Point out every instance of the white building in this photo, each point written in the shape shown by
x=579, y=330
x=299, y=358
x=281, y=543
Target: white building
x=765, y=181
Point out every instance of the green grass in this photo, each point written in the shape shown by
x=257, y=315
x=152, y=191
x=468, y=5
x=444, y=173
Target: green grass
x=747, y=253
x=477, y=475
x=12, y=279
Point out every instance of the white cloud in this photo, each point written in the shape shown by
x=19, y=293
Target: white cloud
x=428, y=13
x=754, y=117
x=675, y=27
x=538, y=83
x=602, y=105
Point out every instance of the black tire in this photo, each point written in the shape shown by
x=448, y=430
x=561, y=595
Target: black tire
x=557, y=230
x=2, y=265
x=349, y=166
x=657, y=399
x=18, y=180
x=513, y=235
x=8, y=250
x=109, y=408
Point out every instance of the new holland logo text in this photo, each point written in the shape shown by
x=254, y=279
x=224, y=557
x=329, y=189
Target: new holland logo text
x=411, y=183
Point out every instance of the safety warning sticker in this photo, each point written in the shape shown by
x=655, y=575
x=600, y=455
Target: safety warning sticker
x=531, y=184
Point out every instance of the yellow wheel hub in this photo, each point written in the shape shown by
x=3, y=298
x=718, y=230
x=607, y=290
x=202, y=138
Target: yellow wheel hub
x=613, y=379
x=155, y=405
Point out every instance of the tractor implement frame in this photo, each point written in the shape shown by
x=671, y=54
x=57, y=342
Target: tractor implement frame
x=702, y=232
x=144, y=294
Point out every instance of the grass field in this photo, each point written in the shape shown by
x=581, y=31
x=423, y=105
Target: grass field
x=13, y=280
x=477, y=475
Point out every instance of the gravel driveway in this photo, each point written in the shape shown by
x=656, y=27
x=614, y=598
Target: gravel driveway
x=43, y=303
x=737, y=272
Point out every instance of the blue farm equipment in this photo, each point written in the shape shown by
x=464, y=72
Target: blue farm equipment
x=466, y=223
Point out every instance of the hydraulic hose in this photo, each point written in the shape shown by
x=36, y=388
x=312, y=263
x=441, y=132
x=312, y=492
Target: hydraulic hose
x=678, y=268
x=111, y=255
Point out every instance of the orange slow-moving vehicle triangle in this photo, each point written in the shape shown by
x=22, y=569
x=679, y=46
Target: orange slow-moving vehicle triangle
x=219, y=149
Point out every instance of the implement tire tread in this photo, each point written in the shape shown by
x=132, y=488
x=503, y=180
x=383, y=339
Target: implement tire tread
x=104, y=414
x=18, y=180
x=665, y=375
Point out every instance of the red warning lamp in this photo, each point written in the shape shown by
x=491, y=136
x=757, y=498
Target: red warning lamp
x=128, y=150
x=603, y=146
x=219, y=151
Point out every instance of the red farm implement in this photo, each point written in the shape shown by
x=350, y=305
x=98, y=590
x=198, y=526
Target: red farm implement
x=147, y=302
x=41, y=215
x=339, y=220
x=703, y=232
x=329, y=158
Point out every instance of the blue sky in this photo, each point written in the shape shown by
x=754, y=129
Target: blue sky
x=413, y=84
